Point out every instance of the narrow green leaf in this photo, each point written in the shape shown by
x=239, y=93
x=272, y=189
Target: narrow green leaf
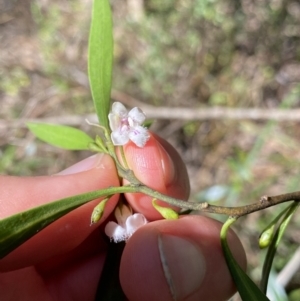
x=248, y=290
x=61, y=136
x=16, y=229
x=289, y=212
x=101, y=58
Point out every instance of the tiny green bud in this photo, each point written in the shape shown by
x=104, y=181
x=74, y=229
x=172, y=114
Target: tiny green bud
x=166, y=213
x=266, y=236
x=98, y=211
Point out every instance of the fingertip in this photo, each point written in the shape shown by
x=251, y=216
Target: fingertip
x=147, y=163
x=89, y=163
x=159, y=166
x=182, y=260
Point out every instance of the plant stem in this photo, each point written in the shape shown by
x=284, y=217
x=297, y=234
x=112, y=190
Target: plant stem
x=263, y=203
x=137, y=186
x=247, y=289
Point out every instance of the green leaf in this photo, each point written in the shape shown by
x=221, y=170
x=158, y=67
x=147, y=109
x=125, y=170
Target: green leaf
x=62, y=136
x=16, y=229
x=289, y=212
x=101, y=58
x=248, y=290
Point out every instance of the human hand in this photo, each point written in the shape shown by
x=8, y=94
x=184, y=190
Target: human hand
x=65, y=260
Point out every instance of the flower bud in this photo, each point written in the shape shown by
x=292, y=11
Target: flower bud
x=98, y=211
x=266, y=236
x=165, y=212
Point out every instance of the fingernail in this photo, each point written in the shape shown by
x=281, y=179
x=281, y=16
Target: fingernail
x=168, y=166
x=183, y=264
x=84, y=165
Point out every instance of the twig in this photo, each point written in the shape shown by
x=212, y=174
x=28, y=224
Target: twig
x=138, y=186
x=221, y=113
x=72, y=120
x=136, y=9
x=216, y=113
x=263, y=203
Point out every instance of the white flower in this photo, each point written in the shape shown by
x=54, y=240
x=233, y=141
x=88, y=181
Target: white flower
x=127, y=126
x=128, y=223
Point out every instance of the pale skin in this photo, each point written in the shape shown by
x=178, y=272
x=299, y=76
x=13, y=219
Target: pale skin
x=64, y=261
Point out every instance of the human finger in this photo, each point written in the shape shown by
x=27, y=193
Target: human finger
x=159, y=166
x=73, y=275
x=179, y=260
x=19, y=194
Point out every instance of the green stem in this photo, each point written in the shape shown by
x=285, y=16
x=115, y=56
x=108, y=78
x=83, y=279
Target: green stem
x=246, y=287
x=263, y=203
x=137, y=186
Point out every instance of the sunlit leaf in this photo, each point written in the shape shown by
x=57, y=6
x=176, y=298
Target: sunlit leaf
x=101, y=58
x=247, y=289
x=61, y=136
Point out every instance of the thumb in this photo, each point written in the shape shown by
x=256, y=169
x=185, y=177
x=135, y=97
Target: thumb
x=20, y=194
x=179, y=260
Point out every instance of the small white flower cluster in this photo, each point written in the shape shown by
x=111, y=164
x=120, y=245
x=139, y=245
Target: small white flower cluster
x=127, y=126
x=127, y=224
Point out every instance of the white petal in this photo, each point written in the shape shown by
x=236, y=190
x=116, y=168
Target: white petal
x=114, y=121
x=134, y=222
x=119, y=138
x=115, y=232
x=137, y=115
x=139, y=135
x=118, y=109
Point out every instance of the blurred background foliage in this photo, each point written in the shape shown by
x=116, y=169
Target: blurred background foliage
x=199, y=53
